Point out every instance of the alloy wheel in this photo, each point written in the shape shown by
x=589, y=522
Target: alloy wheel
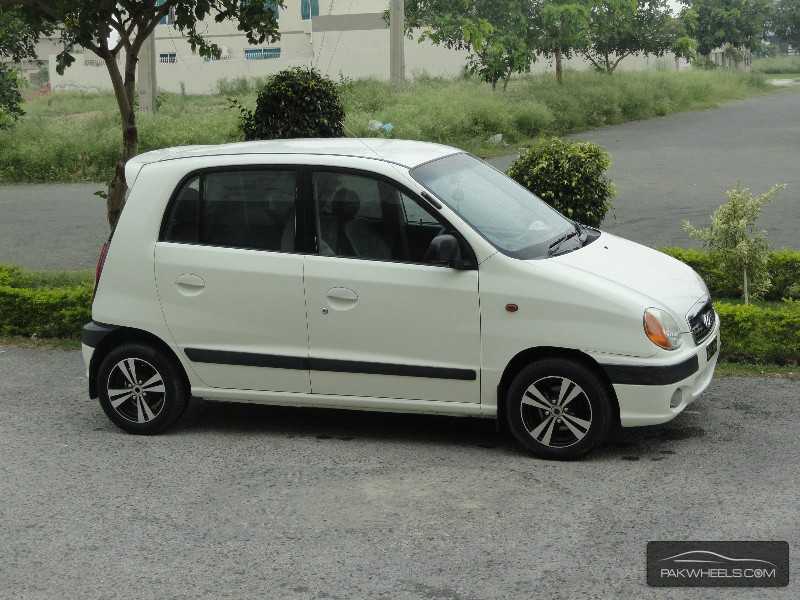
x=136, y=390
x=556, y=412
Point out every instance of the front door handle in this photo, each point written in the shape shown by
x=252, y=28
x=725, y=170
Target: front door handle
x=342, y=298
x=342, y=293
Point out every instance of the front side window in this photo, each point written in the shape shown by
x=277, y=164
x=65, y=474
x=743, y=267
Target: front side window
x=513, y=219
x=253, y=209
x=364, y=217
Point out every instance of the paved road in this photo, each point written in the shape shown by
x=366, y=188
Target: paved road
x=666, y=170
x=260, y=502
x=678, y=167
x=52, y=226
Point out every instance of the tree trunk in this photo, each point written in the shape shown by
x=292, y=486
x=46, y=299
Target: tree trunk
x=745, y=287
x=559, y=76
x=505, y=82
x=125, y=91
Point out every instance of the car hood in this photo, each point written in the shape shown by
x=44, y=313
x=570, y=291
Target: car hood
x=665, y=281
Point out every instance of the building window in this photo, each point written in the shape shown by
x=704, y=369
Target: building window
x=261, y=53
x=167, y=57
x=268, y=5
x=309, y=9
x=169, y=18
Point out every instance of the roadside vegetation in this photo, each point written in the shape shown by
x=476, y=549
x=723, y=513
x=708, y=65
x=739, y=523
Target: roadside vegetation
x=778, y=65
x=75, y=137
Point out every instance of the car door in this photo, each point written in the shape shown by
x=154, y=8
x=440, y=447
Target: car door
x=383, y=322
x=230, y=278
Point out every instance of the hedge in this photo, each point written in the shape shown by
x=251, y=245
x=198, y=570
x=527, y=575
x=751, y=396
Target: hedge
x=756, y=333
x=783, y=265
x=44, y=304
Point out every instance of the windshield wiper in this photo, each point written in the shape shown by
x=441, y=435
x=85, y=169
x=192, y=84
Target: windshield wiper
x=551, y=249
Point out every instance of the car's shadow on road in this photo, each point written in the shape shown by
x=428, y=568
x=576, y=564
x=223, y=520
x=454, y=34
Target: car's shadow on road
x=651, y=443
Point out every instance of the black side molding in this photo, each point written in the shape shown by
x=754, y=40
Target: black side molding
x=372, y=368
x=247, y=359
x=649, y=375
x=93, y=333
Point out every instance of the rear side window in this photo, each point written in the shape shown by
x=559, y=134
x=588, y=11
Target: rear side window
x=253, y=209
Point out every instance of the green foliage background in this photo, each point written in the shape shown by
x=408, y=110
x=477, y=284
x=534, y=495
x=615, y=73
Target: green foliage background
x=75, y=137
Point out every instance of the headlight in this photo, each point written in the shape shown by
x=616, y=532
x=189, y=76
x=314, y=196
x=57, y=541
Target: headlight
x=661, y=329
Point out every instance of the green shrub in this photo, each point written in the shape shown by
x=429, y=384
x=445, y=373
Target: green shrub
x=783, y=267
x=46, y=304
x=295, y=103
x=756, y=333
x=45, y=312
x=569, y=176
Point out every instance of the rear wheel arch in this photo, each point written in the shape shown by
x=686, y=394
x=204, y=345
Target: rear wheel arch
x=531, y=355
x=124, y=335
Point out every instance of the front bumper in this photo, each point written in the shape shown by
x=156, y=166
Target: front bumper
x=667, y=389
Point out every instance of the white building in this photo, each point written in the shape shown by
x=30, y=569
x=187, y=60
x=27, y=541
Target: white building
x=338, y=37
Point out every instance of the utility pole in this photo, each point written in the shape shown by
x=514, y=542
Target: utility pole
x=148, y=83
x=397, y=51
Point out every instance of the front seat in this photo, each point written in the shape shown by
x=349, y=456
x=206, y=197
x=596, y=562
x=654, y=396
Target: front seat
x=362, y=235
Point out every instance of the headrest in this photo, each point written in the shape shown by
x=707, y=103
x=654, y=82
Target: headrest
x=345, y=204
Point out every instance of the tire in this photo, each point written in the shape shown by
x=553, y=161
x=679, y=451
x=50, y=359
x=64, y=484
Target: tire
x=148, y=408
x=580, y=411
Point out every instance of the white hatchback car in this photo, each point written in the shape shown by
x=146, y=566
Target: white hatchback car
x=385, y=275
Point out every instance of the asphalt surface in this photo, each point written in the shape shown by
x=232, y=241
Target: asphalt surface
x=52, y=226
x=678, y=167
x=666, y=170
x=261, y=502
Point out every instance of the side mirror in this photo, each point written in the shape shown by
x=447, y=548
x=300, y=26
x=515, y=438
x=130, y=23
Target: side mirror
x=444, y=250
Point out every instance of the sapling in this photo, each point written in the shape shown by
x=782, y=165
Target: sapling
x=733, y=240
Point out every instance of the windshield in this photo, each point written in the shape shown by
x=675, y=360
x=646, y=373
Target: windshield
x=513, y=219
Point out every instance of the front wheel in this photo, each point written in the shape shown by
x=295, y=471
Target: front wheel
x=141, y=389
x=558, y=409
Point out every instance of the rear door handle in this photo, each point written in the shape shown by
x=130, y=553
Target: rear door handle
x=190, y=283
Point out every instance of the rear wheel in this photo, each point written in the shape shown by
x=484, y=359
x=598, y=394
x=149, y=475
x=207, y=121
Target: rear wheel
x=559, y=409
x=141, y=389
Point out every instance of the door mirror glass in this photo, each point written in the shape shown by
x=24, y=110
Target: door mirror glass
x=444, y=250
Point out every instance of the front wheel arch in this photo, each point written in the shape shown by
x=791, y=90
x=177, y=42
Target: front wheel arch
x=530, y=355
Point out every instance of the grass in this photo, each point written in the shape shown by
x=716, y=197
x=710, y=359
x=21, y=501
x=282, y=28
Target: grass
x=732, y=369
x=44, y=343
x=75, y=137
x=778, y=65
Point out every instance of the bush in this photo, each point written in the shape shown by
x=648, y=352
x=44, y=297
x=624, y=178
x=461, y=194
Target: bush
x=783, y=267
x=569, y=176
x=10, y=97
x=44, y=304
x=760, y=333
x=295, y=103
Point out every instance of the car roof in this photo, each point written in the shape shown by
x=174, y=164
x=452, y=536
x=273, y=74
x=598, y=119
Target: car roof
x=407, y=153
